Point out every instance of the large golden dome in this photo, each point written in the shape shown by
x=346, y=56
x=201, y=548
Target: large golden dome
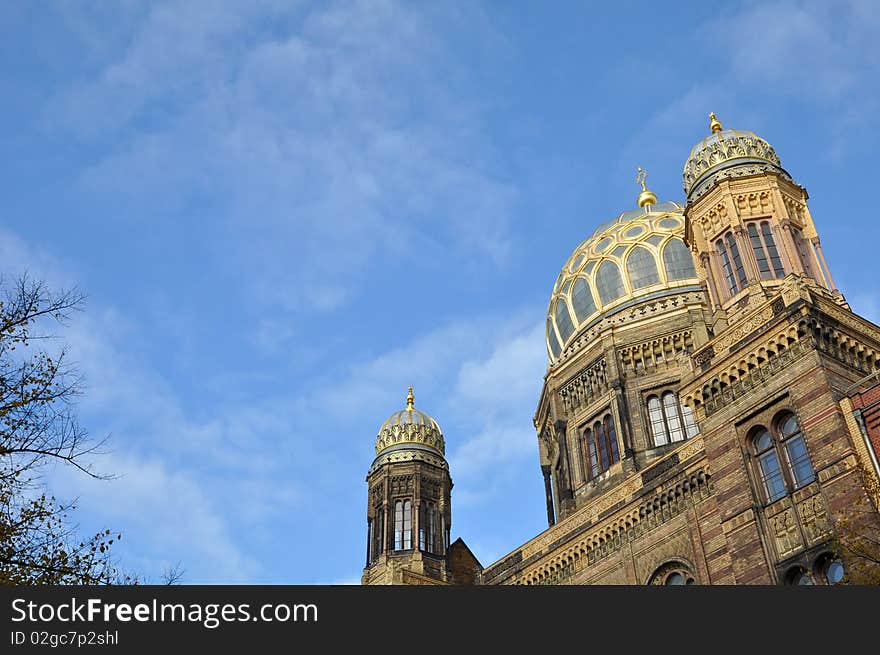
x=636, y=256
x=410, y=434
x=727, y=153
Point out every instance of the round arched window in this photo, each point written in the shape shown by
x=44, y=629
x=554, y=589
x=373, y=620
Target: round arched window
x=673, y=574
x=677, y=578
x=834, y=571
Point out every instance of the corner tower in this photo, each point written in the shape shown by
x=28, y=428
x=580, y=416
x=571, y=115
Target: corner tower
x=408, y=509
x=767, y=388
x=748, y=224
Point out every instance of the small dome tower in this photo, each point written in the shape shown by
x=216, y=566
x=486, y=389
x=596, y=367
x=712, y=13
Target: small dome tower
x=747, y=224
x=408, y=509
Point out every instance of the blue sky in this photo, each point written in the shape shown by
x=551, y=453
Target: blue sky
x=284, y=213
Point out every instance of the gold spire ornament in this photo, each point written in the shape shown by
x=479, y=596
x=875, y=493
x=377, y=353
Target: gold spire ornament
x=646, y=197
x=410, y=399
x=714, y=123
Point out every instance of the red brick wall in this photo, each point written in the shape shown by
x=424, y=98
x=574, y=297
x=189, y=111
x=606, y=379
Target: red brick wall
x=868, y=400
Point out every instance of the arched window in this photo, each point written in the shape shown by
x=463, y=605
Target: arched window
x=658, y=423
x=563, y=320
x=731, y=263
x=427, y=527
x=641, y=268
x=828, y=569
x=678, y=261
x=402, y=525
x=768, y=463
x=600, y=447
x=799, y=576
x=831, y=569
x=592, y=454
x=670, y=419
x=671, y=574
x=407, y=525
x=737, y=260
x=608, y=282
x=784, y=444
x=611, y=440
x=582, y=299
x=795, y=451
x=764, y=248
x=378, y=530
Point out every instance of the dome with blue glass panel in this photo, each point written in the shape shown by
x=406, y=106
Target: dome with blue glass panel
x=637, y=255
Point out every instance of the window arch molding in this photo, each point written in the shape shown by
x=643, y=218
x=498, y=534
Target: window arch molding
x=598, y=444
x=782, y=463
x=673, y=572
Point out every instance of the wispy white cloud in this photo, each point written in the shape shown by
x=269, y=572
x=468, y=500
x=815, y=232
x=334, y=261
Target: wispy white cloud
x=300, y=137
x=482, y=372
x=162, y=509
x=813, y=50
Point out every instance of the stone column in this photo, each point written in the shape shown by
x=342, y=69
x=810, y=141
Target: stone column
x=564, y=480
x=823, y=263
x=548, y=492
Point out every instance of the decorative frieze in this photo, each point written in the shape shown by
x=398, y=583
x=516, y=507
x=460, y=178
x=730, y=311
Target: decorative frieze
x=669, y=502
x=401, y=485
x=784, y=530
x=755, y=203
x=814, y=519
x=662, y=352
x=586, y=386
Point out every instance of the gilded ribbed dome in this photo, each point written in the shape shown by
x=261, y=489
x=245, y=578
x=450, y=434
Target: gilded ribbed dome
x=410, y=434
x=635, y=256
x=727, y=153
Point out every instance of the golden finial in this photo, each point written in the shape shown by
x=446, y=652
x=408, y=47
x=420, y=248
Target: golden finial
x=646, y=197
x=410, y=399
x=714, y=123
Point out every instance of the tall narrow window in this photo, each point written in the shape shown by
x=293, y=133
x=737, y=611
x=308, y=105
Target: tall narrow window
x=737, y=260
x=407, y=525
x=766, y=254
x=379, y=533
x=593, y=455
x=658, y=424
x=432, y=530
x=670, y=408
x=398, y=525
x=422, y=525
x=775, y=260
x=599, y=430
x=796, y=452
x=611, y=440
x=768, y=463
x=726, y=267
x=670, y=419
x=690, y=424
x=600, y=447
x=427, y=527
